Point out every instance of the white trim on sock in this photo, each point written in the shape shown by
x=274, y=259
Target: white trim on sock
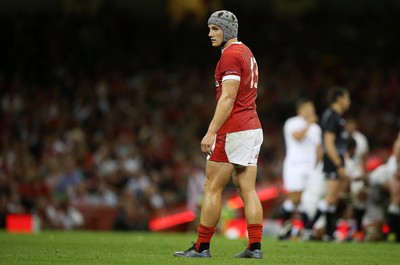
x=323, y=206
x=331, y=209
x=288, y=206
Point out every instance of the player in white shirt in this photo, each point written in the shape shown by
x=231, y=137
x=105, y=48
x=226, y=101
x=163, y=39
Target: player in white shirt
x=355, y=169
x=362, y=146
x=393, y=218
x=386, y=176
x=303, y=144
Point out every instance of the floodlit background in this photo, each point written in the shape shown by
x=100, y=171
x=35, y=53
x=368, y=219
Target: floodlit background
x=104, y=103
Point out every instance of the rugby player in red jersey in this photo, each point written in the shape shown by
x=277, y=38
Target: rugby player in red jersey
x=233, y=140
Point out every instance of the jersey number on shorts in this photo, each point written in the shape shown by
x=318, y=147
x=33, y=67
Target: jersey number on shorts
x=254, y=73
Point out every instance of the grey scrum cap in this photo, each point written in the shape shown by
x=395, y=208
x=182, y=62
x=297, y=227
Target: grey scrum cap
x=227, y=21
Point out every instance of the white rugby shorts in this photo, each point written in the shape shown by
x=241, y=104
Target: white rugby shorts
x=240, y=148
x=296, y=174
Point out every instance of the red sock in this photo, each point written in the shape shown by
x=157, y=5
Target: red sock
x=204, y=235
x=255, y=235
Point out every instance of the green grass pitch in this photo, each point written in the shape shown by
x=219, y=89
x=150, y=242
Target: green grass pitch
x=81, y=247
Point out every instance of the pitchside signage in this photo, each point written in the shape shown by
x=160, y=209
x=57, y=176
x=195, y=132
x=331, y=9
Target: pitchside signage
x=22, y=223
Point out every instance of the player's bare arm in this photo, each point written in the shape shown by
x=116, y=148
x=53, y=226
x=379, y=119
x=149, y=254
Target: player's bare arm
x=299, y=135
x=308, y=113
x=222, y=111
x=396, y=149
x=329, y=141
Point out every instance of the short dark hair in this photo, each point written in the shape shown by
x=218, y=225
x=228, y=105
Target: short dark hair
x=301, y=101
x=335, y=92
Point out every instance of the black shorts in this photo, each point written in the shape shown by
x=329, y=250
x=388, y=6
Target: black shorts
x=329, y=168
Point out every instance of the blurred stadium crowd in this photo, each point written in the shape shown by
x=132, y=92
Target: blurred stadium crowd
x=109, y=109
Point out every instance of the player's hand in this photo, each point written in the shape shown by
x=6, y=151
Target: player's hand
x=311, y=117
x=207, y=143
x=342, y=173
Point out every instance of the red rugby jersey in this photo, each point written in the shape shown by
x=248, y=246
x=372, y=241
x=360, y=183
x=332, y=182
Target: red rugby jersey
x=237, y=62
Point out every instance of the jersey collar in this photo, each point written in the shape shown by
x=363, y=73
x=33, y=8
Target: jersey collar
x=236, y=42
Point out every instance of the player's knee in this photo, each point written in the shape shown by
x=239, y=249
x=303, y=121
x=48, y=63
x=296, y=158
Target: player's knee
x=212, y=187
x=295, y=197
x=245, y=189
x=296, y=200
x=331, y=200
